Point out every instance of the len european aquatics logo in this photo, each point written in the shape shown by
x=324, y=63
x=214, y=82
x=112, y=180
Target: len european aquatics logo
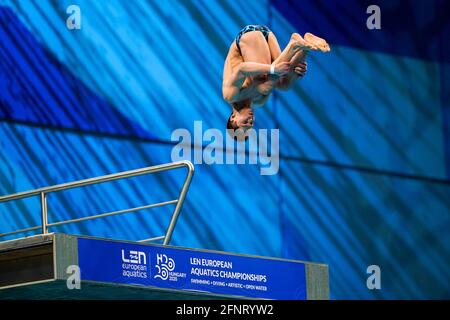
x=134, y=264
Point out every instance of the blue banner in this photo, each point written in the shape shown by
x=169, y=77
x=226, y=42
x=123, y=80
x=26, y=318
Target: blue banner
x=185, y=269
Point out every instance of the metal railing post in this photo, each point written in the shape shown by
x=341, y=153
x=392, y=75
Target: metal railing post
x=177, y=209
x=44, y=216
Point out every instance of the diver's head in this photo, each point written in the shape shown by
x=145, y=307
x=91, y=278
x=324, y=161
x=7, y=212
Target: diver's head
x=241, y=117
x=240, y=120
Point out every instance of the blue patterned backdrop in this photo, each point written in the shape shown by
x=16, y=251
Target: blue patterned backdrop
x=364, y=138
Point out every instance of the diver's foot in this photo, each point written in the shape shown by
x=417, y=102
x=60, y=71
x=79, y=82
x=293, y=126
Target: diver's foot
x=320, y=43
x=298, y=43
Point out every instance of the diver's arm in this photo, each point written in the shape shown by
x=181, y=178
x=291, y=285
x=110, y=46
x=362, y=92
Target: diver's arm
x=232, y=88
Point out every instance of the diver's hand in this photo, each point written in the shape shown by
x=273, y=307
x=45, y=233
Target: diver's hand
x=282, y=68
x=301, y=69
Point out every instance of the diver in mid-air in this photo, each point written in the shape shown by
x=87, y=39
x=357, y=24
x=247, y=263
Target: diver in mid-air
x=255, y=66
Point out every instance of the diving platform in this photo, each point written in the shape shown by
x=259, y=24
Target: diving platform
x=65, y=267
x=62, y=266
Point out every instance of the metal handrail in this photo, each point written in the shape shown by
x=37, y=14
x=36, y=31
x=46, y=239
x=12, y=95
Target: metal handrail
x=42, y=193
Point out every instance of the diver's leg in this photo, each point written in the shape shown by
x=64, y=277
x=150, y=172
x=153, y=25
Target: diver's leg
x=295, y=52
x=254, y=47
x=275, y=50
x=297, y=48
x=298, y=57
x=274, y=47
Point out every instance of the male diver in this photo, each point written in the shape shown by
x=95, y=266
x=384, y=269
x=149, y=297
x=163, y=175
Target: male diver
x=255, y=66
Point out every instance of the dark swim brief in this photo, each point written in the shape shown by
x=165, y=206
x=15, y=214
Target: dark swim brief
x=253, y=27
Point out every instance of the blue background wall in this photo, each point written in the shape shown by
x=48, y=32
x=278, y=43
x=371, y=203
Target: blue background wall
x=364, y=137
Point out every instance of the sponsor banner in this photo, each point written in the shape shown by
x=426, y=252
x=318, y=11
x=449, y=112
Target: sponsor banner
x=185, y=269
